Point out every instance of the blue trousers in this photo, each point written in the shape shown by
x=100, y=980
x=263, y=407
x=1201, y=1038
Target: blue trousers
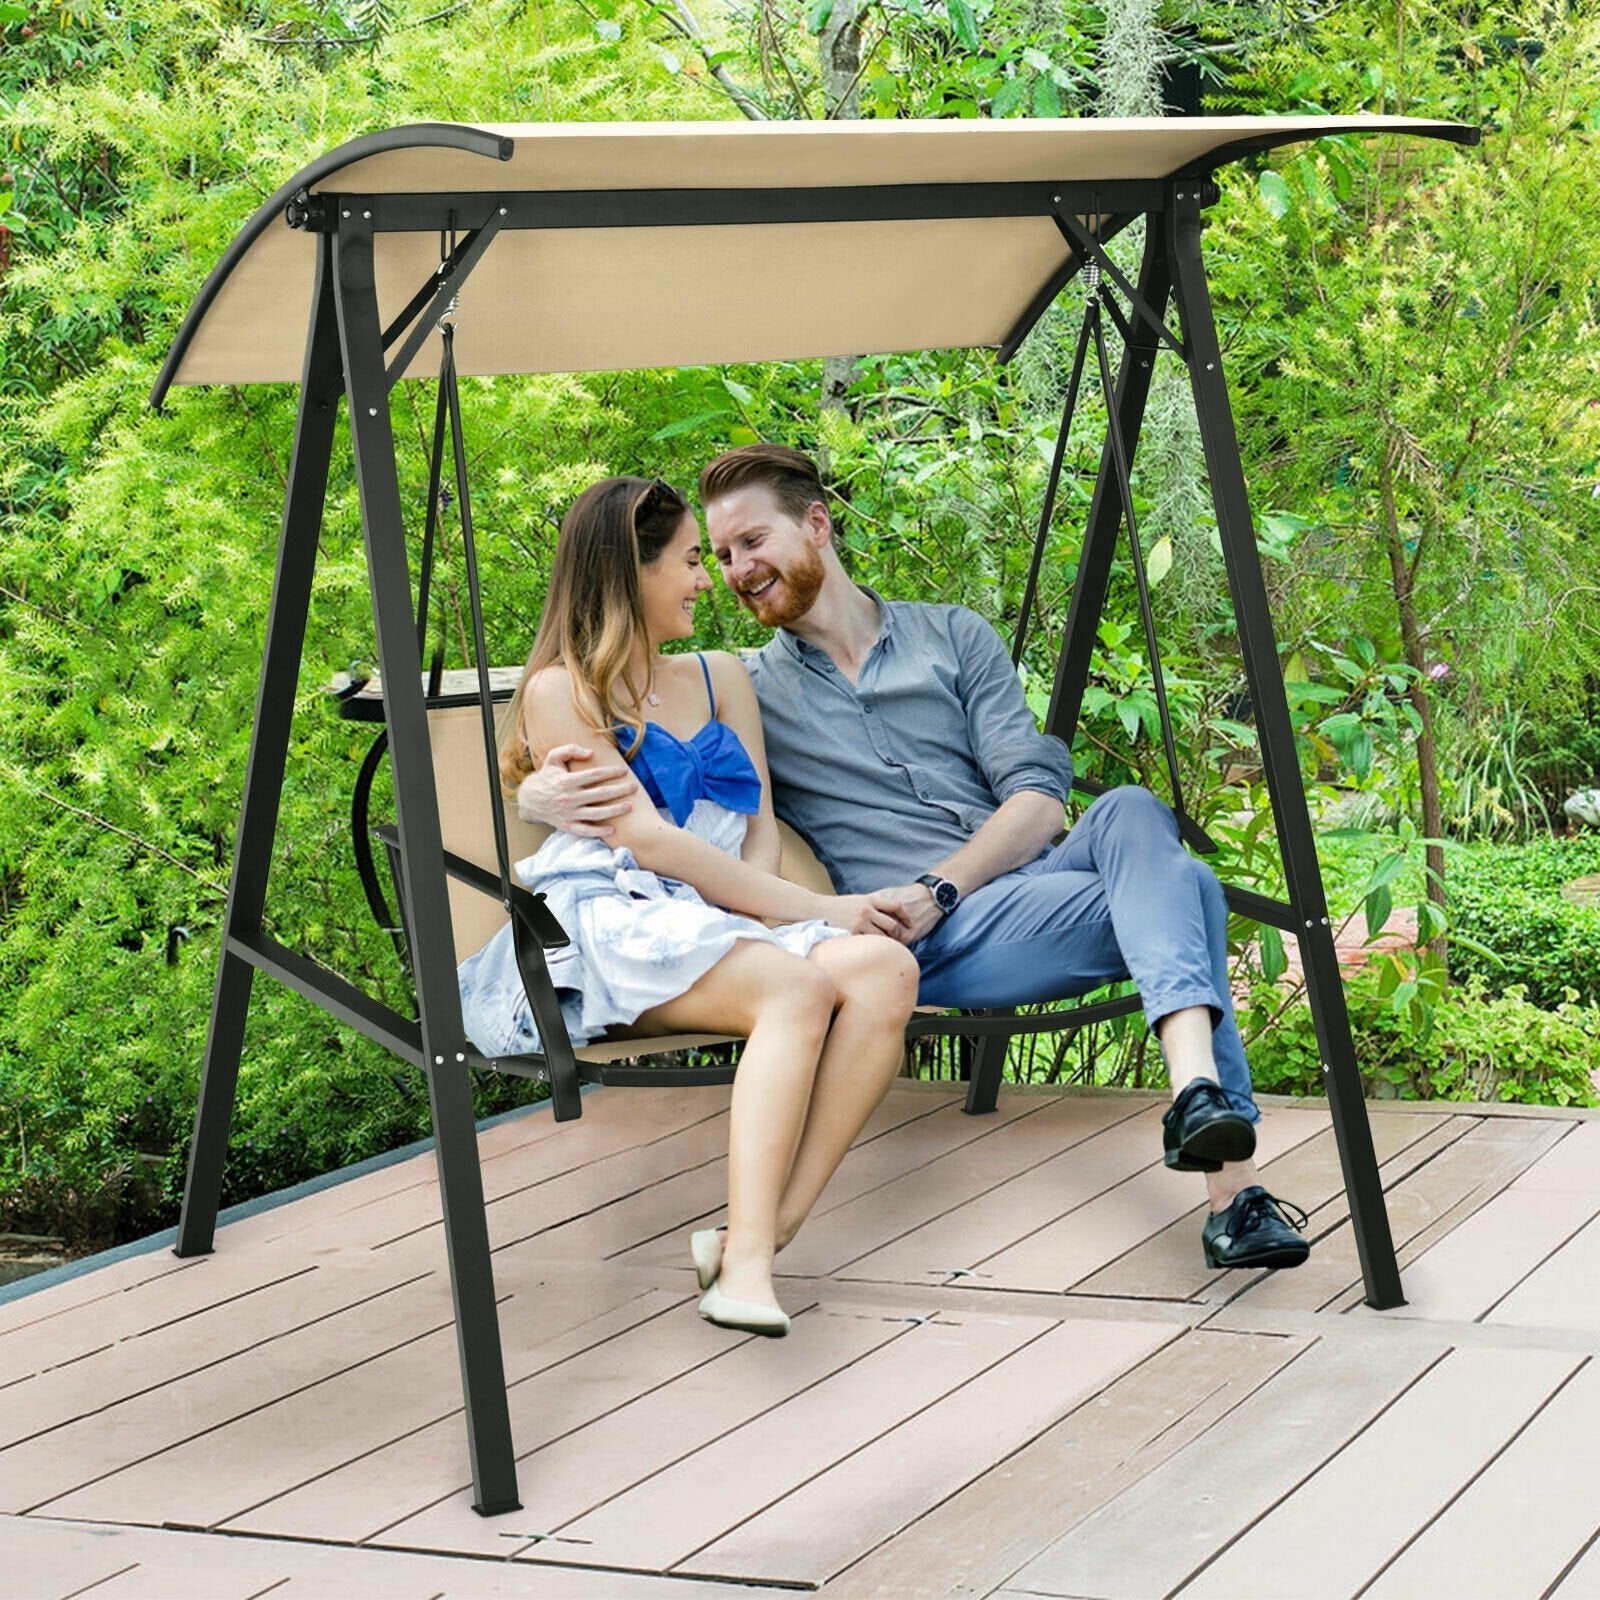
x=1119, y=897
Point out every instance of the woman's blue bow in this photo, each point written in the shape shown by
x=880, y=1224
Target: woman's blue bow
x=713, y=765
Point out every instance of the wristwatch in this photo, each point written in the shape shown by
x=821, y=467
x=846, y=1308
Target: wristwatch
x=945, y=894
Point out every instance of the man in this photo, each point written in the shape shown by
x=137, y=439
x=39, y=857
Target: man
x=901, y=747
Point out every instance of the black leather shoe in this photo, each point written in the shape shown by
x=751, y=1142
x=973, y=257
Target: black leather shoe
x=1202, y=1130
x=1256, y=1231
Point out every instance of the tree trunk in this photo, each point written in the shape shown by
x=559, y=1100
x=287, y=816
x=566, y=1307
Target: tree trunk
x=1402, y=577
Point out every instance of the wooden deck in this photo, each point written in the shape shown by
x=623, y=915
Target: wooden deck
x=1010, y=1374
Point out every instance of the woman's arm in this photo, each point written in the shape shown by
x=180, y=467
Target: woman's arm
x=549, y=718
x=738, y=707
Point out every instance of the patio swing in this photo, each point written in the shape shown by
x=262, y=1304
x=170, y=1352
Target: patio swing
x=704, y=243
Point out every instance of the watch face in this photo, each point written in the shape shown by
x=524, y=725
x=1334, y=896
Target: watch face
x=945, y=895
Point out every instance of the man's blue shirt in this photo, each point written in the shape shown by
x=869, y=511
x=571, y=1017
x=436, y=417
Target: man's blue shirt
x=889, y=775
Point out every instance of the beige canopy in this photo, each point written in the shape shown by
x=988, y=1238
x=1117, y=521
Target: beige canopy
x=591, y=298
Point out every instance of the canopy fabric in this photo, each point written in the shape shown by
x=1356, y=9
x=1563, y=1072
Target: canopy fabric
x=582, y=298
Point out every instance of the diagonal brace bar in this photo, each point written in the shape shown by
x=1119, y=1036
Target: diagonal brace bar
x=1091, y=249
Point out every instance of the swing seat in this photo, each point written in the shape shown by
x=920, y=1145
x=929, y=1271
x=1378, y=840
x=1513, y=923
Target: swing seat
x=476, y=914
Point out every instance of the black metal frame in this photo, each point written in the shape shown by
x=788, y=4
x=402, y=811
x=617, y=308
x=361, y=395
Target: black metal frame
x=346, y=351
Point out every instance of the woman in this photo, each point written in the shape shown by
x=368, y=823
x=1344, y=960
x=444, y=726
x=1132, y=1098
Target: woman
x=668, y=920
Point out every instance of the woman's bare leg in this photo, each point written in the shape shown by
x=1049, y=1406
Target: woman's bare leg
x=876, y=981
x=783, y=1005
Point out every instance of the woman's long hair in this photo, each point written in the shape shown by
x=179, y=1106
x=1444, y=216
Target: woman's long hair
x=594, y=612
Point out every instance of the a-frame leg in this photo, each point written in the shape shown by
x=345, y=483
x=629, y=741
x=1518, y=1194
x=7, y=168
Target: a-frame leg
x=1364, y=1189
x=269, y=745
x=444, y=1043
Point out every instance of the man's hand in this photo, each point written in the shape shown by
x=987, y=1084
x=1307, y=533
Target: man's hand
x=861, y=913
x=569, y=793
x=915, y=913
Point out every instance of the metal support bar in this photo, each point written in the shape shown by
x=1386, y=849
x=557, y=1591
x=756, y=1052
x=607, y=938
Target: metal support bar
x=470, y=255
x=1363, y=1186
x=712, y=208
x=1089, y=247
x=263, y=781
x=444, y=1044
x=361, y=846
x=1048, y=507
x=988, y=1067
x=1123, y=467
x=1105, y=509
x=333, y=994
x=439, y=276
x=1049, y=291
x=1005, y=1025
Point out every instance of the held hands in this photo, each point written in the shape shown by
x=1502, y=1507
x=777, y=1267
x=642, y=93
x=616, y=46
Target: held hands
x=862, y=913
x=569, y=793
x=912, y=907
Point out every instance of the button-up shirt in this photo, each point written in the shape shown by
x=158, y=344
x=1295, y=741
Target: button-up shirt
x=889, y=775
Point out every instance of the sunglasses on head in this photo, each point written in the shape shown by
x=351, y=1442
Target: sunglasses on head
x=658, y=497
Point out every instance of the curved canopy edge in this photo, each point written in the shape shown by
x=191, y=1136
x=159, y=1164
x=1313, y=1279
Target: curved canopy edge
x=451, y=135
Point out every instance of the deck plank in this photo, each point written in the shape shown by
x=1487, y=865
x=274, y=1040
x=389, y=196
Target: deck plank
x=1563, y=1291
x=1150, y=1539
x=199, y=1286
x=875, y=1161
x=1495, y=1154
x=1417, y=1183
x=367, y=1208
x=829, y=1521
x=1572, y=1164
x=140, y=1361
x=675, y=1512
x=1582, y=1580
x=51, y=1465
x=1423, y=1207
x=940, y=1195
x=1168, y=1266
x=1000, y=1522
x=976, y=1219
x=1539, y=1486
x=625, y=1446
x=1492, y=1251
x=315, y=1398
x=47, y=1559
x=911, y=1438
x=1333, y=1534
x=553, y=1389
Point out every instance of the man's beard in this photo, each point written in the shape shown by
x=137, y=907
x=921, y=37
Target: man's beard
x=801, y=583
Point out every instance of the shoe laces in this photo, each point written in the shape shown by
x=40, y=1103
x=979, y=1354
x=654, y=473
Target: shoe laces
x=1258, y=1209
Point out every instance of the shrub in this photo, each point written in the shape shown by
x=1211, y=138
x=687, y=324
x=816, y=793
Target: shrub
x=1479, y=1047
x=1509, y=901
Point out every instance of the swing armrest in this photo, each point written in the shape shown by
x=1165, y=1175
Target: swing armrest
x=537, y=915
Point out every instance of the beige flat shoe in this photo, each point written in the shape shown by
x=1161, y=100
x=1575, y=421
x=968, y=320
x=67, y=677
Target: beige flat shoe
x=705, y=1250
x=719, y=1308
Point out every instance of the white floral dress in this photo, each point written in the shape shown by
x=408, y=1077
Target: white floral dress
x=638, y=939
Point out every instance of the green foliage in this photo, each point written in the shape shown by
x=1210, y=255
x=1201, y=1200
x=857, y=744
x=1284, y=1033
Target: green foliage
x=1424, y=310
x=1479, y=1047
x=137, y=568
x=1509, y=901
